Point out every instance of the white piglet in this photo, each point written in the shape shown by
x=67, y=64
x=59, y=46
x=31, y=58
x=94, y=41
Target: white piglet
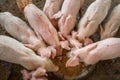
x=22, y=32
x=112, y=25
x=93, y=53
x=14, y=51
x=94, y=15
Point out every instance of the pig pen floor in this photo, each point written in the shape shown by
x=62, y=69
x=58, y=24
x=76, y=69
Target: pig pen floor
x=105, y=70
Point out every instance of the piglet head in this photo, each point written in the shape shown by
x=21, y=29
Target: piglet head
x=74, y=59
x=106, y=33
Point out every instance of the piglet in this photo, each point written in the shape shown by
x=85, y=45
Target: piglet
x=67, y=16
x=112, y=25
x=40, y=23
x=14, y=51
x=51, y=7
x=38, y=74
x=94, y=15
x=20, y=30
x=95, y=52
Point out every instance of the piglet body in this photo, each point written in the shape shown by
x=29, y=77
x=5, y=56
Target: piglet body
x=51, y=7
x=18, y=29
x=67, y=16
x=112, y=25
x=13, y=51
x=21, y=31
x=40, y=23
x=93, y=53
x=94, y=15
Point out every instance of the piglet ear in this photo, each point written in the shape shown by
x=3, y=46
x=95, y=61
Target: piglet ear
x=65, y=45
x=113, y=33
x=30, y=46
x=72, y=62
x=101, y=30
x=87, y=41
x=57, y=15
x=91, y=46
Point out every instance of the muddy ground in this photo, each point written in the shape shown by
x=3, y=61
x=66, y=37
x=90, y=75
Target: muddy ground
x=105, y=70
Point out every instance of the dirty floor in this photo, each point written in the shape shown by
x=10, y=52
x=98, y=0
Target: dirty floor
x=105, y=70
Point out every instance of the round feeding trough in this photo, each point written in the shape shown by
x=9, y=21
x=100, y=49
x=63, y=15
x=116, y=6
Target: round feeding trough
x=71, y=73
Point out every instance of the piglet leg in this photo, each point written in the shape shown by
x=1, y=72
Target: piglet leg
x=49, y=52
x=65, y=45
x=73, y=40
x=38, y=74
